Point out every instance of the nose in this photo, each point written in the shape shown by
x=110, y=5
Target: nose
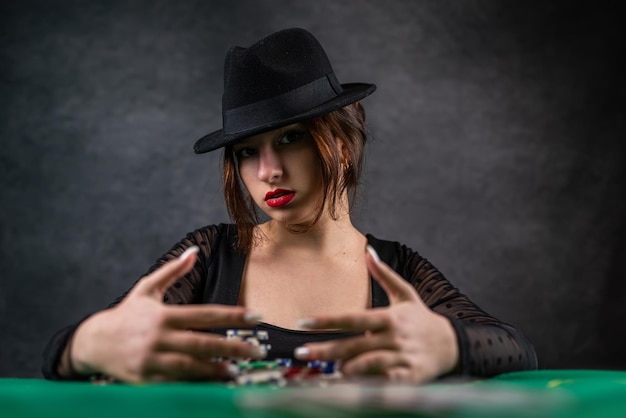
x=270, y=166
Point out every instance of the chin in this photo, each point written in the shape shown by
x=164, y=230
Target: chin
x=294, y=222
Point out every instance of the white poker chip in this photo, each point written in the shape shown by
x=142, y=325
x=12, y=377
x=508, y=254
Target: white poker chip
x=260, y=376
x=259, y=334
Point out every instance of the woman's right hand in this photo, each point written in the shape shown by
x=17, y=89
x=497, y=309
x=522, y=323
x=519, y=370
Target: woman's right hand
x=143, y=339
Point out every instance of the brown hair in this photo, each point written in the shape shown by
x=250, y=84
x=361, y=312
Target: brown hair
x=339, y=172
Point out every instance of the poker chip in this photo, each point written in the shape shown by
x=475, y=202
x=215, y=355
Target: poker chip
x=258, y=365
x=278, y=371
x=263, y=376
x=258, y=334
x=284, y=362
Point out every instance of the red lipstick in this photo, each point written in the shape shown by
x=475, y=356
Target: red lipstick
x=279, y=197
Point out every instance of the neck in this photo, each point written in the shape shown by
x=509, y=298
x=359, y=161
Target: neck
x=327, y=237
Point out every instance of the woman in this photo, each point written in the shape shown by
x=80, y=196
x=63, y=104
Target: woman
x=293, y=141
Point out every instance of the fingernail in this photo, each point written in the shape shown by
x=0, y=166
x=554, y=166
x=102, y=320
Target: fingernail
x=191, y=250
x=232, y=370
x=306, y=322
x=302, y=353
x=252, y=317
x=257, y=351
x=373, y=253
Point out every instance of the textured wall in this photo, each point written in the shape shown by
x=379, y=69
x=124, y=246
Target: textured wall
x=498, y=151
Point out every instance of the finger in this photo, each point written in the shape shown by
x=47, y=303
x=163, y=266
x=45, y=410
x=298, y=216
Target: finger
x=397, y=289
x=176, y=366
x=392, y=364
x=209, y=316
x=157, y=283
x=345, y=348
x=404, y=375
x=205, y=346
x=371, y=320
x=376, y=362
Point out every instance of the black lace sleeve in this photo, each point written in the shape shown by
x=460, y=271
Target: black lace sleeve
x=487, y=346
x=187, y=289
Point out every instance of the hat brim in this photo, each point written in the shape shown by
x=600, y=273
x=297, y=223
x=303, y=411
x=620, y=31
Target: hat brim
x=352, y=92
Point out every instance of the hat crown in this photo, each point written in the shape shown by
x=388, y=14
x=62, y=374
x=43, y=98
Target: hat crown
x=278, y=63
x=284, y=78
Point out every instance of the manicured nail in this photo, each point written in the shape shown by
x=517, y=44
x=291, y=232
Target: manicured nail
x=191, y=250
x=373, y=253
x=252, y=317
x=306, y=322
x=257, y=351
x=232, y=370
x=302, y=353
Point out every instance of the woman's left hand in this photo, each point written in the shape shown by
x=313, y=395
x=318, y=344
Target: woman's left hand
x=405, y=341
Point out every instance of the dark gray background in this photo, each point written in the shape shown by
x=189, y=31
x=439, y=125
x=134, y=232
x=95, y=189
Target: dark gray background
x=498, y=151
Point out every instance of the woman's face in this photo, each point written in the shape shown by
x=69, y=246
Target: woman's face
x=282, y=172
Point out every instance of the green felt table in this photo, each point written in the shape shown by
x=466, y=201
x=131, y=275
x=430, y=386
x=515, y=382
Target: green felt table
x=543, y=393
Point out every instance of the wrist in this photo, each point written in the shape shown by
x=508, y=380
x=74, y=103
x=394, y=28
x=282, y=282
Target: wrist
x=79, y=360
x=65, y=368
x=450, y=359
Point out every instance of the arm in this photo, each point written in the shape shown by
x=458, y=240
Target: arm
x=139, y=338
x=487, y=346
x=56, y=365
x=410, y=339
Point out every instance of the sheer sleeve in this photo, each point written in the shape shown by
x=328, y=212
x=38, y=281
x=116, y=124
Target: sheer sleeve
x=188, y=289
x=487, y=346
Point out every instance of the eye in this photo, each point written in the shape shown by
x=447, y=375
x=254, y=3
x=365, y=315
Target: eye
x=245, y=152
x=291, y=136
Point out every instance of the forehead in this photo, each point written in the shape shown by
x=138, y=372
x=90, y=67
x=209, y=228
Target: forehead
x=269, y=135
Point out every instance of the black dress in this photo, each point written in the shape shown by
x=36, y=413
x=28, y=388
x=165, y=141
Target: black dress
x=487, y=346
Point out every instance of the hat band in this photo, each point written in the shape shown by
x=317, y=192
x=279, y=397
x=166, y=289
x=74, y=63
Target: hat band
x=281, y=107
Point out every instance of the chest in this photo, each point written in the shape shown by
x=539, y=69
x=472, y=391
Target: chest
x=285, y=290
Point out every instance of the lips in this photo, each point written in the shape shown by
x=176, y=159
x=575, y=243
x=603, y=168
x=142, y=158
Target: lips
x=279, y=197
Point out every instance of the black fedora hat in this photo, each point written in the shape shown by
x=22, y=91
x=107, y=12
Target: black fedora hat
x=282, y=79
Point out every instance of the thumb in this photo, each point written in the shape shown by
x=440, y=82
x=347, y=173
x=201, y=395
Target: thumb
x=156, y=283
x=397, y=289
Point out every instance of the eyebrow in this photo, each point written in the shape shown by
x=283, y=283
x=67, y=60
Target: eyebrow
x=243, y=144
x=279, y=131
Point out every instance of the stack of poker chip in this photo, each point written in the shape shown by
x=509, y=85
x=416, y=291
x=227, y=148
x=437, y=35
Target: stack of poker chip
x=254, y=372
x=313, y=369
x=251, y=336
x=277, y=371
